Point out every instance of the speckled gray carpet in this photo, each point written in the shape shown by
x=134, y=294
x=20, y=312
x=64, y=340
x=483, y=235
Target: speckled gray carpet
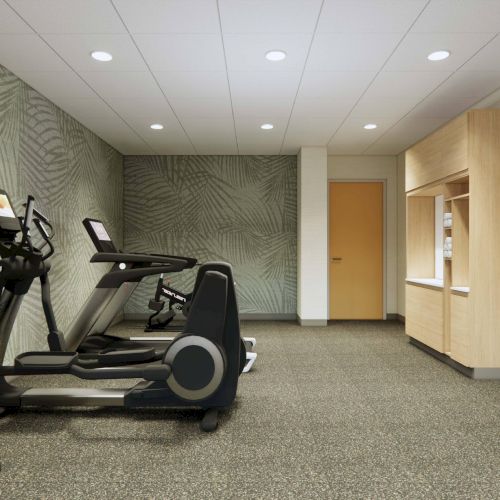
x=346, y=411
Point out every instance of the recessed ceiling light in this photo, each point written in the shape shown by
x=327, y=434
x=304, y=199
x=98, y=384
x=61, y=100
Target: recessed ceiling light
x=370, y=126
x=101, y=56
x=267, y=126
x=439, y=55
x=275, y=55
x=157, y=126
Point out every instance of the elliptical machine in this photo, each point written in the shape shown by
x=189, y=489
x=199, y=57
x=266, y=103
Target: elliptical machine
x=198, y=369
x=179, y=302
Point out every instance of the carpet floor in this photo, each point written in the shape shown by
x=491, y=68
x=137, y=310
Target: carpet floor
x=351, y=410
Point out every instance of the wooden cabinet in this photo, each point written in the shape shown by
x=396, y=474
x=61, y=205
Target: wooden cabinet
x=439, y=155
x=424, y=315
x=460, y=163
x=460, y=328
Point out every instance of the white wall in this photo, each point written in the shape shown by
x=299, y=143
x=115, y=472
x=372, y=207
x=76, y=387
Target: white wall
x=383, y=168
x=401, y=233
x=312, y=234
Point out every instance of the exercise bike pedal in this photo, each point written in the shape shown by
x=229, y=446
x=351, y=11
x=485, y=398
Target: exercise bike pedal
x=210, y=420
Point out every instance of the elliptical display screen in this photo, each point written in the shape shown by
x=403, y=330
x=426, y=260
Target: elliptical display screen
x=100, y=230
x=99, y=236
x=5, y=207
x=8, y=219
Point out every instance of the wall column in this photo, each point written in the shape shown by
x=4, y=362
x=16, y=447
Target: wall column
x=312, y=234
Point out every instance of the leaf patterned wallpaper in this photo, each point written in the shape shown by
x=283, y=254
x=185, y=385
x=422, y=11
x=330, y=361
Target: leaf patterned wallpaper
x=240, y=209
x=72, y=174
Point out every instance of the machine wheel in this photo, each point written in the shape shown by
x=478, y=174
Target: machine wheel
x=198, y=367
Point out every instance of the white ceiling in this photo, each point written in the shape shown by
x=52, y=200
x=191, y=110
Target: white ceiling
x=198, y=67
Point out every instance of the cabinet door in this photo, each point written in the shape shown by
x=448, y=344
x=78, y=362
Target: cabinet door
x=460, y=329
x=424, y=316
x=439, y=155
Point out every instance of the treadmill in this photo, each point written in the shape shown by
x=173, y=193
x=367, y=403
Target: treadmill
x=88, y=335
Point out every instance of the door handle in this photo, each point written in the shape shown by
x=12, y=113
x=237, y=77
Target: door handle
x=336, y=259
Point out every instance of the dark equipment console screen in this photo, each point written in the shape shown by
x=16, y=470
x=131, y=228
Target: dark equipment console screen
x=99, y=236
x=8, y=219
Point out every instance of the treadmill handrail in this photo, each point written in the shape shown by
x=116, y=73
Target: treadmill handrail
x=138, y=257
x=114, y=279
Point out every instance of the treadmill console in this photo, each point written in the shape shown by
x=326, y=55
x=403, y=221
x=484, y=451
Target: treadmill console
x=99, y=236
x=9, y=223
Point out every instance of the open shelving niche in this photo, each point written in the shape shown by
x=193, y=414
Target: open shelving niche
x=427, y=266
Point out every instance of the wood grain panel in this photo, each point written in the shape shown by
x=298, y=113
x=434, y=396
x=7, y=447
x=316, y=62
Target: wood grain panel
x=484, y=168
x=460, y=238
x=439, y=155
x=460, y=329
x=420, y=237
x=424, y=316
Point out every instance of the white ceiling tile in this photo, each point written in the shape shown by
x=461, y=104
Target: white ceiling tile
x=253, y=140
x=69, y=16
x=122, y=85
x=436, y=107
x=263, y=93
x=369, y=16
x=351, y=52
x=169, y=16
x=322, y=108
x=405, y=85
x=202, y=108
x=269, y=16
x=487, y=59
x=170, y=137
x=147, y=108
x=168, y=141
x=10, y=22
x=76, y=50
x=334, y=84
x=310, y=131
x=352, y=136
x=464, y=16
x=253, y=84
x=469, y=84
x=175, y=52
x=28, y=53
x=247, y=52
x=254, y=107
x=217, y=148
x=57, y=85
x=384, y=107
x=256, y=148
x=193, y=84
x=404, y=134
x=199, y=128
x=411, y=55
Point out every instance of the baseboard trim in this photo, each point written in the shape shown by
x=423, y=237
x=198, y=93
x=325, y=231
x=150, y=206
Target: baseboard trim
x=243, y=317
x=474, y=373
x=486, y=373
x=401, y=318
x=312, y=322
x=391, y=317
x=464, y=370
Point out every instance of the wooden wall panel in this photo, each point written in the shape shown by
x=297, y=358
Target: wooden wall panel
x=424, y=316
x=420, y=237
x=484, y=168
x=460, y=329
x=439, y=155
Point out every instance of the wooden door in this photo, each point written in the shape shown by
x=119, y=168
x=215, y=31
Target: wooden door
x=356, y=249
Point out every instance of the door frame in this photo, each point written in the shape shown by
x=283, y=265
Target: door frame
x=384, y=238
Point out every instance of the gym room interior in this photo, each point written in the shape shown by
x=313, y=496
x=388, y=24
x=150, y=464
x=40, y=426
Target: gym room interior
x=249, y=249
